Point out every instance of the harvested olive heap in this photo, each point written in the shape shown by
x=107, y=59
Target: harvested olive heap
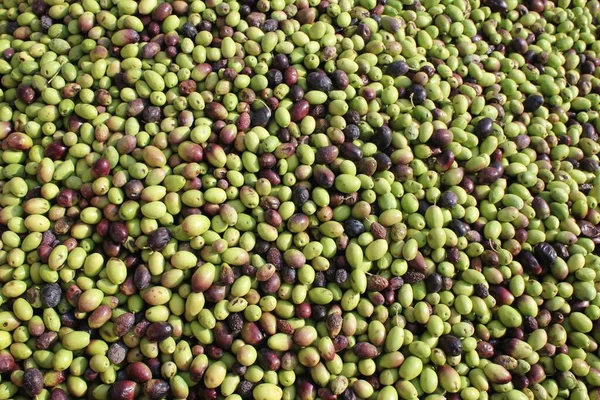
x=299, y=199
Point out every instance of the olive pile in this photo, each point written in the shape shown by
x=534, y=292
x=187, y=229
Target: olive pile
x=299, y=199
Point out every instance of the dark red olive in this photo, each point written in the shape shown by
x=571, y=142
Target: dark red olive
x=26, y=94
x=111, y=248
x=536, y=374
x=306, y=390
x=323, y=176
x=159, y=331
x=46, y=340
x=118, y=232
x=441, y=138
x=251, y=334
x=55, y=151
x=124, y=390
x=485, y=350
x=299, y=110
x=123, y=324
x=7, y=362
x=101, y=168
x=269, y=359
x=326, y=155
x=365, y=350
x=488, y=175
x=139, y=372
x=215, y=293
x=223, y=335
x=67, y=198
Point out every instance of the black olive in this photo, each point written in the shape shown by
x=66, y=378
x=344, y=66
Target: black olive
x=204, y=26
x=341, y=276
x=433, y=283
x=352, y=117
x=451, y=345
x=588, y=67
x=117, y=352
x=319, y=312
x=244, y=389
x=448, y=199
x=589, y=164
x=300, y=196
x=46, y=22
x=296, y=93
x=545, y=253
x=288, y=275
x=397, y=68
x=530, y=324
x=39, y=7
x=533, y=102
x=423, y=206
x=384, y=162
x=418, y=94
x=573, y=162
x=189, y=30
x=340, y=79
x=481, y=290
x=519, y=45
x=270, y=25
x=353, y=228
x=11, y=27
x=274, y=77
x=235, y=322
x=529, y=261
x=484, y=127
x=318, y=80
x=351, y=152
x=383, y=137
x=413, y=277
x=158, y=239
x=561, y=250
x=319, y=280
x=280, y=62
x=348, y=394
x=497, y=5
x=50, y=295
x=364, y=31
x=260, y=117
x=459, y=227
x=156, y=389
x=351, y=132
x=151, y=114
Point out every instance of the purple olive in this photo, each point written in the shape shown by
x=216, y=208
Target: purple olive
x=156, y=389
x=33, y=381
